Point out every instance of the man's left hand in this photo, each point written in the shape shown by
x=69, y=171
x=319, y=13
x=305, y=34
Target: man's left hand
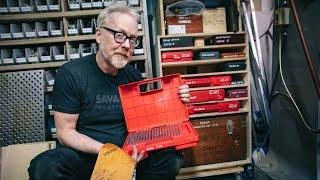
x=183, y=93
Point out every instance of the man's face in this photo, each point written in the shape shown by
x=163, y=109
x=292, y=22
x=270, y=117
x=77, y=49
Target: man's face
x=115, y=53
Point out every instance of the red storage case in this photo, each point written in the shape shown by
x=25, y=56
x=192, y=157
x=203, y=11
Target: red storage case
x=221, y=80
x=216, y=107
x=157, y=118
x=207, y=95
x=176, y=56
x=197, y=82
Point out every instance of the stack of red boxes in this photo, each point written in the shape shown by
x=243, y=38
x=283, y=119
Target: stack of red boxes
x=177, y=56
x=203, y=96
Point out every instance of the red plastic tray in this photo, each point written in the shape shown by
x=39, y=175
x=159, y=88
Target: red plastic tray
x=145, y=110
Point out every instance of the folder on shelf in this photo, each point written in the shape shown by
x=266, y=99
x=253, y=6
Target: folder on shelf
x=74, y=51
x=54, y=5
x=58, y=53
x=55, y=28
x=85, y=49
x=42, y=5
x=74, y=4
x=86, y=25
x=13, y=6
x=26, y=6
x=73, y=26
x=5, y=31
x=32, y=55
x=4, y=7
x=42, y=29
x=44, y=53
x=29, y=30
x=7, y=56
x=156, y=118
x=16, y=31
x=19, y=56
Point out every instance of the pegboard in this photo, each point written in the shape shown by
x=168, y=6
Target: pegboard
x=22, y=107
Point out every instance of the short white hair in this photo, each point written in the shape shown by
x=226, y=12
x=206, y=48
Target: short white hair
x=110, y=10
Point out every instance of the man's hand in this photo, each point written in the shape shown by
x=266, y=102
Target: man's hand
x=137, y=157
x=184, y=93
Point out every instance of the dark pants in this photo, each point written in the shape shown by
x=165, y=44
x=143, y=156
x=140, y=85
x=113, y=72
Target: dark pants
x=66, y=164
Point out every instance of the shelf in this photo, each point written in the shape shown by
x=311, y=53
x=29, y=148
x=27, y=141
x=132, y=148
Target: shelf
x=198, y=34
x=218, y=87
x=241, y=110
x=225, y=46
x=31, y=66
x=200, y=62
x=225, y=100
x=52, y=40
x=53, y=15
x=139, y=58
x=213, y=74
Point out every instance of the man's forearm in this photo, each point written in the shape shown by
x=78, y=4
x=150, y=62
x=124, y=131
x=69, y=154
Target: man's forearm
x=79, y=141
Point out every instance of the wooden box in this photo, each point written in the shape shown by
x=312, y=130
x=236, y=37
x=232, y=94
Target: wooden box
x=221, y=139
x=214, y=20
x=184, y=24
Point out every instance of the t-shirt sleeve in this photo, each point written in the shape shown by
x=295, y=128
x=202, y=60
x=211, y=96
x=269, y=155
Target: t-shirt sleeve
x=66, y=93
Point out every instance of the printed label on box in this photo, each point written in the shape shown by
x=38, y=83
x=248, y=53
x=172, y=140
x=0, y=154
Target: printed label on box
x=43, y=33
x=176, y=29
x=74, y=6
x=56, y=32
x=3, y=10
x=138, y=51
x=14, y=9
x=96, y=4
x=134, y=2
x=33, y=59
x=42, y=8
x=7, y=61
x=74, y=56
x=45, y=58
x=72, y=31
x=54, y=7
x=30, y=34
x=87, y=30
x=86, y=5
x=85, y=54
x=5, y=36
x=17, y=35
x=21, y=60
x=26, y=9
x=59, y=57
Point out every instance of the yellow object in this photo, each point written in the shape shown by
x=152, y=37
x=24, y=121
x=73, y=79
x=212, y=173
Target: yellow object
x=113, y=164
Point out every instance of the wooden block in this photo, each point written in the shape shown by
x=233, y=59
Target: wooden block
x=198, y=42
x=214, y=20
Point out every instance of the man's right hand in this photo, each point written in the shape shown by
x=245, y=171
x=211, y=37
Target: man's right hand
x=137, y=157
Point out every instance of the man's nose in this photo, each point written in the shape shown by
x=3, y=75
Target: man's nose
x=126, y=44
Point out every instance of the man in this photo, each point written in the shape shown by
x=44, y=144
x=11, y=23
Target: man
x=88, y=111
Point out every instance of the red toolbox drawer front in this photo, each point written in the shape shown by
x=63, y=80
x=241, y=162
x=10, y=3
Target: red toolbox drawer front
x=197, y=82
x=221, y=80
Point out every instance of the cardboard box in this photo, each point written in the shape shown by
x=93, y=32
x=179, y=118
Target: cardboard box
x=15, y=159
x=184, y=24
x=214, y=20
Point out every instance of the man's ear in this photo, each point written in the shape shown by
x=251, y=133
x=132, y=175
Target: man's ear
x=98, y=36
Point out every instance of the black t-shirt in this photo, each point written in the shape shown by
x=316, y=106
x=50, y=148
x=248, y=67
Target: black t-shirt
x=82, y=88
